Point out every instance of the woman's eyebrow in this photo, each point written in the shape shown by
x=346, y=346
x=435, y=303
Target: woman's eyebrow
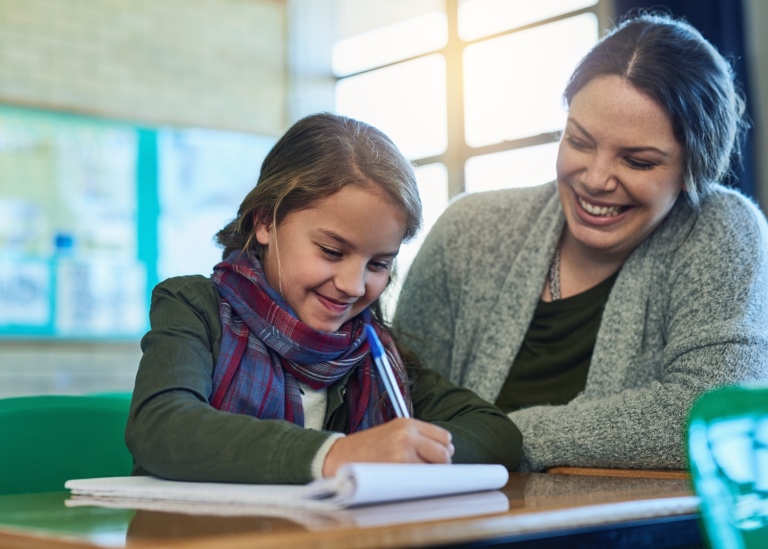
x=626, y=149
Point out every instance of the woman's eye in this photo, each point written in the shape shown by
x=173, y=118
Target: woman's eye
x=639, y=164
x=330, y=252
x=577, y=144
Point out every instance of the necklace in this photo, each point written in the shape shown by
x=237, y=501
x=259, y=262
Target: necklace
x=554, y=275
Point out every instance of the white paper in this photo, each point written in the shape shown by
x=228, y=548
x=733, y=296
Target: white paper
x=355, y=484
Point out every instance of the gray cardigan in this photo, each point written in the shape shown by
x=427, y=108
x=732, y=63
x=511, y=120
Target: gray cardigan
x=688, y=312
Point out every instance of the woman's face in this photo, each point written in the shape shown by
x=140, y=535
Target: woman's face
x=619, y=167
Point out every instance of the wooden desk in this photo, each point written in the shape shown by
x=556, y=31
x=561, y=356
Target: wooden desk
x=533, y=510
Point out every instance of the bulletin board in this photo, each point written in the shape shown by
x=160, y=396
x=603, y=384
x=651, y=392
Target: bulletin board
x=91, y=210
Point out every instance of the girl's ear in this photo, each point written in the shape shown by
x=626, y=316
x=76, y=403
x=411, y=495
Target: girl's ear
x=262, y=227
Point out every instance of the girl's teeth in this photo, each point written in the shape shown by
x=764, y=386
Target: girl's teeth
x=603, y=211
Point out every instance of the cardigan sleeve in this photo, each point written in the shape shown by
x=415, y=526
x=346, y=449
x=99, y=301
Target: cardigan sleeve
x=172, y=430
x=713, y=311
x=427, y=294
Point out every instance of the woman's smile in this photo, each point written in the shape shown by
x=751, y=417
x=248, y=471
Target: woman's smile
x=598, y=213
x=619, y=167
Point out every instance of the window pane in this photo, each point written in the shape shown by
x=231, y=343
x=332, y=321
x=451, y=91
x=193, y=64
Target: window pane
x=405, y=101
x=432, y=180
x=513, y=84
x=516, y=168
x=389, y=44
x=478, y=18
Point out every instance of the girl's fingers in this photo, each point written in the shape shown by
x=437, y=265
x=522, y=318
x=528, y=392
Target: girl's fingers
x=430, y=451
x=438, y=434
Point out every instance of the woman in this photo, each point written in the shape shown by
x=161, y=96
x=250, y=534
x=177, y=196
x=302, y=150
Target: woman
x=595, y=309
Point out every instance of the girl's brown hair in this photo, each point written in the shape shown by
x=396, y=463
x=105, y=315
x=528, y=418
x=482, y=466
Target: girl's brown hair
x=315, y=158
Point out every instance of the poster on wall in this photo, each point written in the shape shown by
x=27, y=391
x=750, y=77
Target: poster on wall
x=68, y=227
x=93, y=213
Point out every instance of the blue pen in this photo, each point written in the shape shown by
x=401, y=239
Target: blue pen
x=386, y=373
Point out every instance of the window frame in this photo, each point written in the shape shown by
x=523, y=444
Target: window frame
x=457, y=151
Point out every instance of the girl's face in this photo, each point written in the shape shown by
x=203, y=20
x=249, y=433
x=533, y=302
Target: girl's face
x=334, y=259
x=619, y=167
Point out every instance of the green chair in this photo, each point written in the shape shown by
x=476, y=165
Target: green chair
x=728, y=452
x=47, y=440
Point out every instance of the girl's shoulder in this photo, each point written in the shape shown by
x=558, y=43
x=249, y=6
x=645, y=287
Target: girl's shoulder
x=195, y=290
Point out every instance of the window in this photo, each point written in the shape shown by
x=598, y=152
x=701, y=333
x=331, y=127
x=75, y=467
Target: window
x=470, y=90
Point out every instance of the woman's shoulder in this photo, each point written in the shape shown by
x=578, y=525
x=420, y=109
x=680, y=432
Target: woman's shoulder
x=727, y=214
x=491, y=213
x=727, y=227
x=502, y=201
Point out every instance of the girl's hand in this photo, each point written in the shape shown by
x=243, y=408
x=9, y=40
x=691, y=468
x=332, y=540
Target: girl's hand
x=397, y=441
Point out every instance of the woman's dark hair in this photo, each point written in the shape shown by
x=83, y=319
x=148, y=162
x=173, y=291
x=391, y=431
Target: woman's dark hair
x=671, y=62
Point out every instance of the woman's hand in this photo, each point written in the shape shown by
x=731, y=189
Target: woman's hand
x=397, y=441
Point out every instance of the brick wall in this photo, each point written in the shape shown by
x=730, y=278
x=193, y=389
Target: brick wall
x=213, y=63
x=209, y=63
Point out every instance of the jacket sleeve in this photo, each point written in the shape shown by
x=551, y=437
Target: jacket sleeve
x=481, y=433
x=172, y=430
x=714, y=313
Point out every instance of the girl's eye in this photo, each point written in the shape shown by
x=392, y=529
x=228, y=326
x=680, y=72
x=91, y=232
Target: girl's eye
x=330, y=252
x=379, y=265
x=639, y=164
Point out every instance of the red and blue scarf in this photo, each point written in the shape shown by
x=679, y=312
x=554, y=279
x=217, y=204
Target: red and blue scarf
x=266, y=350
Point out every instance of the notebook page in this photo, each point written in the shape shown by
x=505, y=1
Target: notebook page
x=379, y=482
x=152, y=488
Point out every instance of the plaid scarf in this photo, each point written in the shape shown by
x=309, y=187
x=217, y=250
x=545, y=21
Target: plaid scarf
x=266, y=350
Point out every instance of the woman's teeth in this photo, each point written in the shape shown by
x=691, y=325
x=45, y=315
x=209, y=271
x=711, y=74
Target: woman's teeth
x=602, y=211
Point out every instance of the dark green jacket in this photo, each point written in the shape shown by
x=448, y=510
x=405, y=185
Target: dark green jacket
x=174, y=433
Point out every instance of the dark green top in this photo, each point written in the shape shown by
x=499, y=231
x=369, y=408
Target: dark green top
x=173, y=432
x=552, y=364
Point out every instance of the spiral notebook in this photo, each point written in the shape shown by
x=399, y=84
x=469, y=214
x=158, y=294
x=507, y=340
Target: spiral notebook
x=355, y=484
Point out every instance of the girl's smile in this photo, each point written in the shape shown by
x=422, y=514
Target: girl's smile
x=334, y=259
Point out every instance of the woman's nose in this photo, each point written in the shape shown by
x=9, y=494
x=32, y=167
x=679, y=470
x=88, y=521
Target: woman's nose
x=599, y=174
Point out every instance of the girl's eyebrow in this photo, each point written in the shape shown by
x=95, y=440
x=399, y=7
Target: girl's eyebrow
x=344, y=242
x=627, y=149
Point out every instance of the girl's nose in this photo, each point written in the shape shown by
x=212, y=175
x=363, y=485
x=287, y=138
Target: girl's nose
x=351, y=279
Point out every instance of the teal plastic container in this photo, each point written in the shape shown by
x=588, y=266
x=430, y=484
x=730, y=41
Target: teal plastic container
x=728, y=453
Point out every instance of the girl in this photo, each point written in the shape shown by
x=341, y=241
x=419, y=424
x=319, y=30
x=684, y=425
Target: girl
x=262, y=373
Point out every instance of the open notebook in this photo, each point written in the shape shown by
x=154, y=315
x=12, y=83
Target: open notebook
x=354, y=484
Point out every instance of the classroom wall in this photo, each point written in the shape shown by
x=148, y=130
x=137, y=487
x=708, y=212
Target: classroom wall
x=191, y=63
x=215, y=63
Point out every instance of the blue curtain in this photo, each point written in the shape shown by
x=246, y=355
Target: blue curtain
x=721, y=22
